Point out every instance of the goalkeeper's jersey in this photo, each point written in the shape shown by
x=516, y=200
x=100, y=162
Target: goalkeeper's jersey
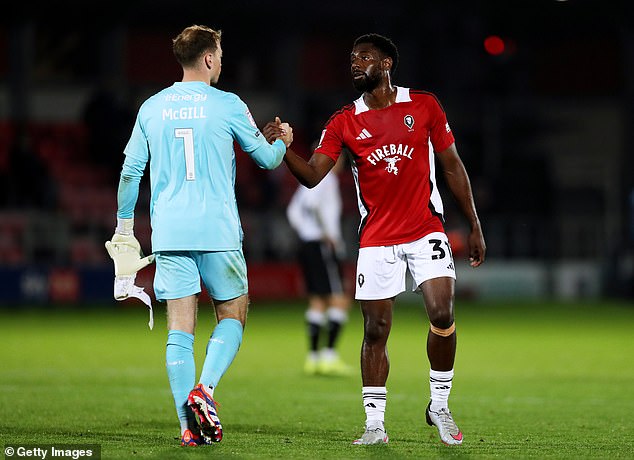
x=187, y=133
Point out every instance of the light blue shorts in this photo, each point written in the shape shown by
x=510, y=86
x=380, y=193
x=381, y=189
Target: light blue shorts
x=178, y=274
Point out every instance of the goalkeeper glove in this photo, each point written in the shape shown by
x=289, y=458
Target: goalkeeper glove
x=125, y=251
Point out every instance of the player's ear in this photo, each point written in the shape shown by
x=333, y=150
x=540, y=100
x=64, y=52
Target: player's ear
x=387, y=63
x=208, y=60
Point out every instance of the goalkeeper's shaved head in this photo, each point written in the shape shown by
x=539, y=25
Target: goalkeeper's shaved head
x=193, y=42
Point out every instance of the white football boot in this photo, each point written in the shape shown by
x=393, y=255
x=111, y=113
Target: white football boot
x=374, y=434
x=449, y=432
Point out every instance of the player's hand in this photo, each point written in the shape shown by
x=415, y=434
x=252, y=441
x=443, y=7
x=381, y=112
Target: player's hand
x=477, y=247
x=277, y=130
x=272, y=130
x=287, y=134
x=126, y=253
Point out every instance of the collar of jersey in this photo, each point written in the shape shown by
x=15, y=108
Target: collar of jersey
x=402, y=95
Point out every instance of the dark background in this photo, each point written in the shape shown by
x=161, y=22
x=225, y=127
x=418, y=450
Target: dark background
x=544, y=127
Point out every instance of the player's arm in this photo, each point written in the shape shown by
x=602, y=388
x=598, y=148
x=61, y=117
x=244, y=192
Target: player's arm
x=245, y=131
x=269, y=156
x=128, y=192
x=458, y=182
x=280, y=146
x=124, y=248
x=308, y=173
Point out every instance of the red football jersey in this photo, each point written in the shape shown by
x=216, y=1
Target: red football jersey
x=393, y=164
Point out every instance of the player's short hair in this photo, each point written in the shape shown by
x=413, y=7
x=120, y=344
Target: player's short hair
x=383, y=44
x=193, y=42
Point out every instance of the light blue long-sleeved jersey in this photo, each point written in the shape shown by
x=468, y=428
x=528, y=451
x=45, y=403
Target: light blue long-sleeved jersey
x=187, y=133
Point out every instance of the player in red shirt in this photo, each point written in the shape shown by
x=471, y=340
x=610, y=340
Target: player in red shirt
x=393, y=135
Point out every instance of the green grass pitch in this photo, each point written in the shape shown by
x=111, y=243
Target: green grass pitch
x=533, y=380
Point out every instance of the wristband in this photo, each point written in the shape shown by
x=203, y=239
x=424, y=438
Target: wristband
x=125, y=226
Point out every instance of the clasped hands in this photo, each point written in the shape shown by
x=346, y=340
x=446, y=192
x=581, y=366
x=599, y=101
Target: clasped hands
x=277, y=130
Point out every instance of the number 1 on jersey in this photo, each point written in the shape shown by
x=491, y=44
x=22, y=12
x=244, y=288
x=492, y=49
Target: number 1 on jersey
x=187, y=134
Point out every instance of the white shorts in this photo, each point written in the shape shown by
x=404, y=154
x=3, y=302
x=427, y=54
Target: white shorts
x=381, y=269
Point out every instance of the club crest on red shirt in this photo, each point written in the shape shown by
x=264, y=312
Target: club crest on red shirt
x=409, y=122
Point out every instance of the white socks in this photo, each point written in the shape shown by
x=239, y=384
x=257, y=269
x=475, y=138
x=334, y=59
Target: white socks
x=374, y=399
x=440, y=387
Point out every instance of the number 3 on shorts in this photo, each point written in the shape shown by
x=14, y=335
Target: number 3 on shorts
x=439, y=252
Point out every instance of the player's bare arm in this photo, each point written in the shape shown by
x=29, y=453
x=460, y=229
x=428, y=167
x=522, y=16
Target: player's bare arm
x=458, y=182
x=308, y=173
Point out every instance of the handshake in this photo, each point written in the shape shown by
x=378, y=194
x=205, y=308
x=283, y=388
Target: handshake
x=277, y=130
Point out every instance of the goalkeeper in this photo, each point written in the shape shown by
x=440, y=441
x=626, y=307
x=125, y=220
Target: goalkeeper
x=187, y=133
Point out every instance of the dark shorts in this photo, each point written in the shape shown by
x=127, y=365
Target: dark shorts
x=321, y=268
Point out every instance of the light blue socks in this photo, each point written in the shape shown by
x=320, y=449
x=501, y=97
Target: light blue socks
x=221, y=349
x=181, y=368
x=181, y=371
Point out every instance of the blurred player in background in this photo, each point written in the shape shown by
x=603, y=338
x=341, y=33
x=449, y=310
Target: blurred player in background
x=186, y=132
x=393, y=134
x=315, y=215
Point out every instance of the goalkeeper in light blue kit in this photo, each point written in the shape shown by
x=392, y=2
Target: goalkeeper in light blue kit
x=186, y=132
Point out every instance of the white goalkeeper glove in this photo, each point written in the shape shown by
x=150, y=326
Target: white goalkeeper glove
x=124, y=249
x=126, y=252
